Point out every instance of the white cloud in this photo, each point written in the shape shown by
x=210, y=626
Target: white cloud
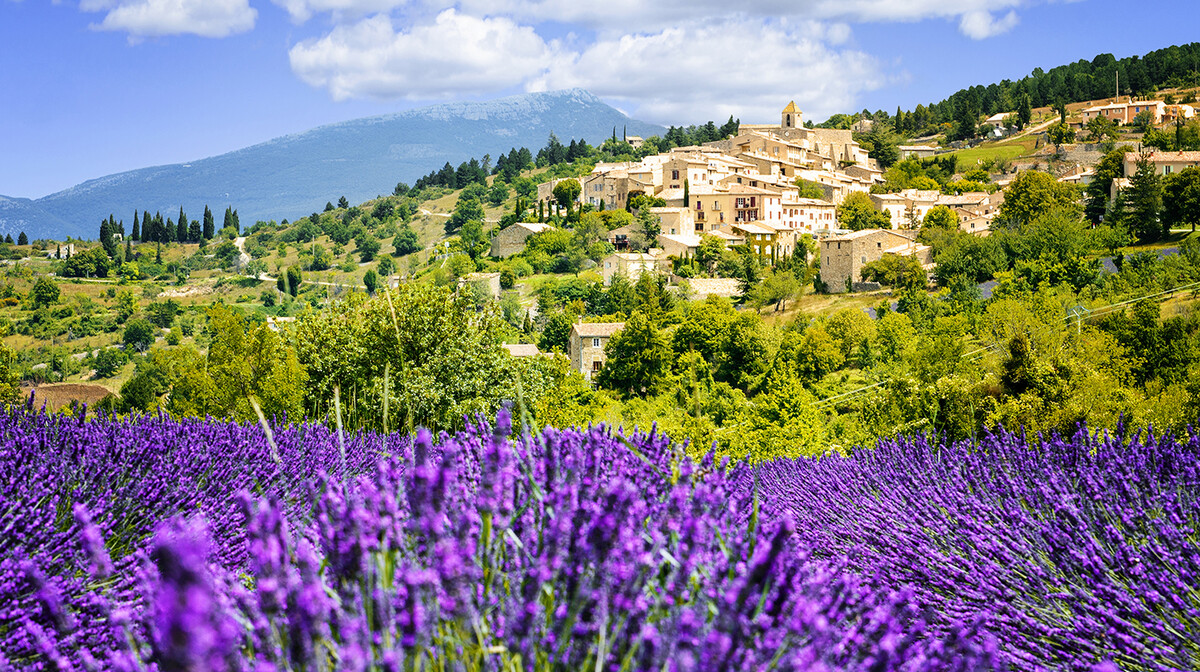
x=982, y=25
x=618, y=15
x=302, y=10
x=712, y=70
x=454, y=55
x=147, y=18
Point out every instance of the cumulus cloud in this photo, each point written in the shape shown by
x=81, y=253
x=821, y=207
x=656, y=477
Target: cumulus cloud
x=702, y=71
x=973, y=15
x=150, y=18
x=982, y=25
x=455, y=54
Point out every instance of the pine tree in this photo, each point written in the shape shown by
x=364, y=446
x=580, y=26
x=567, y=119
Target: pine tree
x=8, y=238
x=22, y=239
x=209, y=225
x=1143, y=203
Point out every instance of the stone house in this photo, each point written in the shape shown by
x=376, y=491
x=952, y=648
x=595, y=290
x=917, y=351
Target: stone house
x=760, y=238
x=843, y=257
x=585, y=345
x=675, y=221
x=633, y=264
x=1165, y=163
x=681, y=245
x=906, y=206
x=1124, y=113
x=511, y=239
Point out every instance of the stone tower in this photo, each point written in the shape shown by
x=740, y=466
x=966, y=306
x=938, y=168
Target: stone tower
x=791, y=116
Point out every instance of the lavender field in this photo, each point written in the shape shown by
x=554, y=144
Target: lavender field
x=155, y=544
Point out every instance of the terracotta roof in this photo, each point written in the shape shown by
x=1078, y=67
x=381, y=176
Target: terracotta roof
x=1175, y=156
x=596, y=329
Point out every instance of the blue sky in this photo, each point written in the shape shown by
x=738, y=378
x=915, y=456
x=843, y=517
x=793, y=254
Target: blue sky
x=93, y=87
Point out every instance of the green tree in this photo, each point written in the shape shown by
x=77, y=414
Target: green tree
x=498, y=193
x=1101, y=127
x=44, y=293
x=1143, y=203
x=1096, y=193
x=248, y=359
x=367, y=246
x=1060, y=134
x=371, y=281
x=1024, y=111
x=386, y=265
x=127, y=305
x=108, y=362
x=406, y=241
x=1181, y=199
x=22, y=239
x=557, y=331
x=636, y=358
x=809, y=189
x=857, y=212
x=1033, y=193
x=474, y=240
x=895, y=270
x=139, y=334
x=941, y=217
x=208, y=227
x=566, y=191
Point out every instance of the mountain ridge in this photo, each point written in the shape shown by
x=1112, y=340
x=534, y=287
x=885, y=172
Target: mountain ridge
x=292, y=175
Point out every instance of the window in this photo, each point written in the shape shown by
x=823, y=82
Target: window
x=864, y=259
x=596, y=364
x=674, y=174
x=595, y=342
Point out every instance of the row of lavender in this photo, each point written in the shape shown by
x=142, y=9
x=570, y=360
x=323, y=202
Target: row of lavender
x=153, y=544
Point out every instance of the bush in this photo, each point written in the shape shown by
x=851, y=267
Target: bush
x=109, y=361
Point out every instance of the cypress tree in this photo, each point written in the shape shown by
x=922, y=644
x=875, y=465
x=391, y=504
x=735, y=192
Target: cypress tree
x=147, y=229
x=237, y=225
x=8, y=238
x=58, y=251
x=183, y=219
x=22, y=239
x=209, y=224
x=228, y=218
x=193, y=233
x=128, y=251
x=181, y=230
x=106, y=236
x=135, y=234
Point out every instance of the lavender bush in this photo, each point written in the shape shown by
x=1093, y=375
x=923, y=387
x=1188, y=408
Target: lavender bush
x=154, y=544
x=1080, y=550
